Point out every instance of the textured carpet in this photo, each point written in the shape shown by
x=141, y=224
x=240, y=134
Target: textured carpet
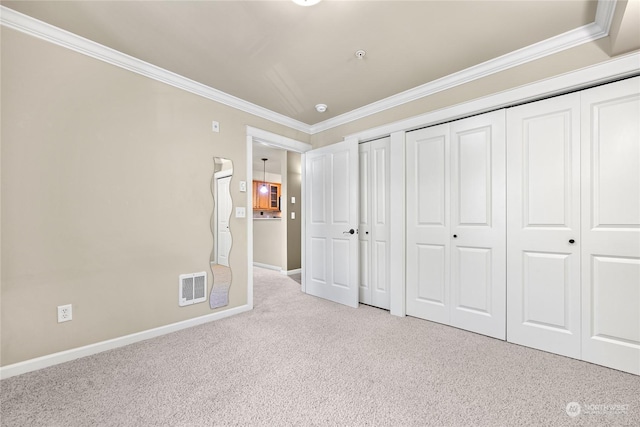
x=300, y=360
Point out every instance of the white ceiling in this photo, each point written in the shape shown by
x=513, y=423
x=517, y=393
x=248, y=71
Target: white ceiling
x=287, y=58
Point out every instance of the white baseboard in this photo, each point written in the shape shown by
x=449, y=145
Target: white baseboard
x=88, y=350
x=292, y=272
x=267, y=266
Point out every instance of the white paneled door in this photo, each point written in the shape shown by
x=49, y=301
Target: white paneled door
x=478, y=229
x=428, y=224
x=456, y=242
x=611, y=225
x=374, y=223
x=331, y=218
x=543, y=225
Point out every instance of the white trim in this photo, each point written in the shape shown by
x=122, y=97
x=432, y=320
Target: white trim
x=26, y=24
x=621, y=67
x=397, y=231
x=268, y=266
x=249, y=209
x=223, y=174
x=292, y=272
x=88, y=350
x=604, y=14
x=576, y=37
x=303, y=221
x=587, y=33
x=277, y=141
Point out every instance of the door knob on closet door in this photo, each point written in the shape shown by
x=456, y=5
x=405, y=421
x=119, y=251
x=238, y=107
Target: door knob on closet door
x=455, y=236
x=571, y=241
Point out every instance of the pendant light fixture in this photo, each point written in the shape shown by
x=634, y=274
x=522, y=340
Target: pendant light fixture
x=264, y=189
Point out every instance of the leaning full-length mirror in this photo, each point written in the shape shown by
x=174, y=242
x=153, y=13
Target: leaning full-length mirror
x=222, y=241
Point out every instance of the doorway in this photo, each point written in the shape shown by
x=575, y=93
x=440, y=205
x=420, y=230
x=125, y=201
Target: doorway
x=260, y=138
x=276, y=209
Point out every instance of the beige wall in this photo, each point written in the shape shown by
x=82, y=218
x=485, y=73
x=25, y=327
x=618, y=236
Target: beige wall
x=268, y=241
x=294, y=186
x=106, y=197
x=267, y=176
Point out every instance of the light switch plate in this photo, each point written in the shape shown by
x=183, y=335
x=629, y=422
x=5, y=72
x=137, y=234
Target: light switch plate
x=293, y=215
x=241, y=213
x=243, y=186
x=293, y=200
x=215, y=126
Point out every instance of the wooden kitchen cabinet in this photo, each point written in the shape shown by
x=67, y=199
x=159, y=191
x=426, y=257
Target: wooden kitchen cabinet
x=269, y=200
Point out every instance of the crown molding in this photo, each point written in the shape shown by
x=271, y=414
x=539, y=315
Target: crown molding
x=604, y=15
x=26, y=24
x=622, y=67
x=587, y=33
x=598, y=29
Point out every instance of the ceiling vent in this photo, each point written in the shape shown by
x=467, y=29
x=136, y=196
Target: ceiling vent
x=192, y=288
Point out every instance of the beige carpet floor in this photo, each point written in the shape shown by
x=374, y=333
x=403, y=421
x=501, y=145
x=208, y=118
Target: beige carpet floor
x=299, y=360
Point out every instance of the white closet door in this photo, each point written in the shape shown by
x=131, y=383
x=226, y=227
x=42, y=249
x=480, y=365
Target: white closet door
x=611, y=225
x=478, y=233
x=380, y=208
x=374, y=223
x=428, y=238
x=364, y=226
x=543, y=205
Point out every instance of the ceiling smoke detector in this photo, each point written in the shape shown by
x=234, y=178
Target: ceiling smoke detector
x=306, y=2
x=360, y=54
x=321, y=108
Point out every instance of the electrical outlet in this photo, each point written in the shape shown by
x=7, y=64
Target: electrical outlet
x=65, y=313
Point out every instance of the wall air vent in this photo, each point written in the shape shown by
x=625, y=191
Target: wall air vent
x=192, y=288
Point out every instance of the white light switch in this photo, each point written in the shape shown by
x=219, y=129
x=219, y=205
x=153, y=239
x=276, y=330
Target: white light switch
x=293, y=215
x=243, y=186
x=215, y=126
x=293, y=200
x=240, y=213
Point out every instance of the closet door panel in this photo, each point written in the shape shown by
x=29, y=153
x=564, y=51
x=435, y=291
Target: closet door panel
x=364, y=226
x=380, y=207
x=478, y=235
x=428, y=226
x=543, y=205
x=373, y=229
x=611, y=225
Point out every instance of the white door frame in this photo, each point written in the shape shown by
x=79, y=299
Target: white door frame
x=255, y=135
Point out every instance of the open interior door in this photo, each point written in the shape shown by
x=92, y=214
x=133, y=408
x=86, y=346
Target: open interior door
x=331, y=218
